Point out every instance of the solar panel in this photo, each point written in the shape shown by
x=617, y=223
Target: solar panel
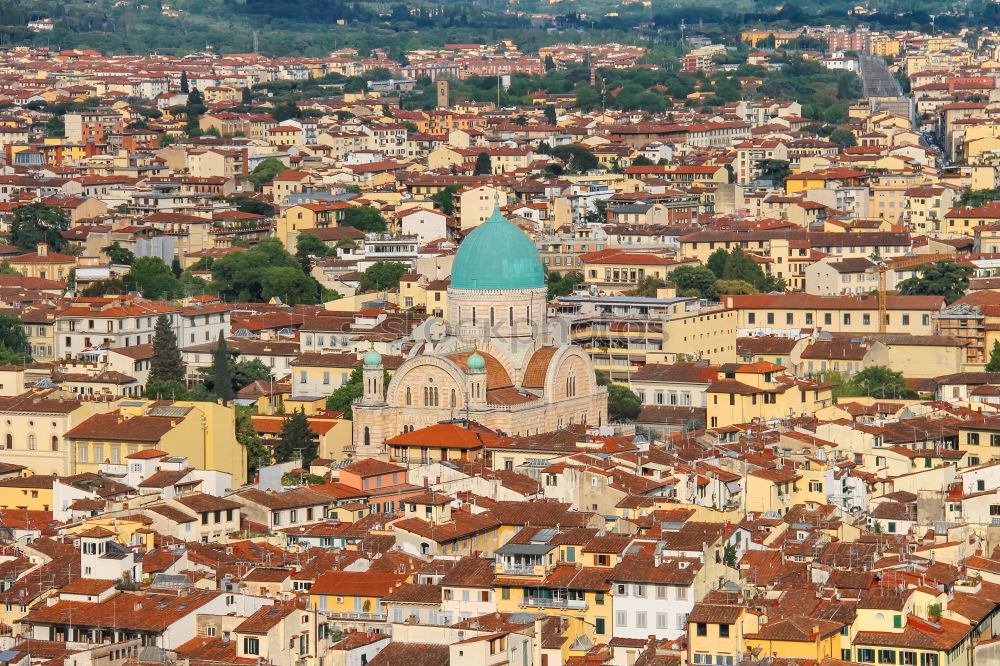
x=164, y=410
x=545, y=535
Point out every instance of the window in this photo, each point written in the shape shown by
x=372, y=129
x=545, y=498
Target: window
x=661, y=621
x=866, y=655
x=251, y=645
x=701, y=629
x=621, y=618
x=640, y=619
x=599, y=626
x=723, y=631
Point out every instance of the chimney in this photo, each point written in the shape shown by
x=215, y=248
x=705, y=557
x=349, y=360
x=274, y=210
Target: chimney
x=43, y=249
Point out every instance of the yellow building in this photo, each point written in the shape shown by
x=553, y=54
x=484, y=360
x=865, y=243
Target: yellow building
x=127, y=529
x=341, y=593
x=303, y=217
x=202, y=432
x=797, y=637
x=565, y=590
x=761, y=391
x=715, y=633
x=31, y=493
x=44, y=264
x=35, y=427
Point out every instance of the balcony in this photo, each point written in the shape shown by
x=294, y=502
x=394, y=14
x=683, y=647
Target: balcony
x=567, y=604
x=520, y=569
x=357, y=617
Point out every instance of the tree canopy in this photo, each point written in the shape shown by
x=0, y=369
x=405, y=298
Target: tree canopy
x=942, y=278
x=165, y=365
x=265, y=271
x=364, y=218
x=36, y=223
x=381, y=275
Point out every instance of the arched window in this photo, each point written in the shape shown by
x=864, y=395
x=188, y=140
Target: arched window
x=31, y=442
x=493, y=317
x=368, y=436
x=454, y=403
x=473, y=316
x=10, y=441
x=510, y=315
x=55, y=443
x=425, y=548
x=409, y=396
x=437, y=402
x=427, y=399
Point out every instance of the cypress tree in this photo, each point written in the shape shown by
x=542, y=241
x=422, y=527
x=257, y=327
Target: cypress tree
x=166, y=362
x=296, y=439
x=185, y=87
x=222, y=372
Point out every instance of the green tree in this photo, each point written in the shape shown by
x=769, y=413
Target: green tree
x=249, y=371
x=286, y=111
x=550, y=114
x=117, y=254
x=221, y=371
x=717, y=261
x=175, y=267
x=7, y=269
x=296, y=440
x=309, y=244
x=741, y=266
x=165, y=364
x=994, y=364
x=775, y=171
x=343, y=397
x=647, y=287
x=978, y=197
x=263, y=272
x=380, y=276
x=153, y=278
x=166, y=389
x=484, y=166
x=697, y=281
x=289, y=284
x=14, y=346
x=878, y=381
x=729, y=555
x=185, y=86
x=444, y=199
x=562, y=284
x=247, y=96
x=734, y=287
x=258, y=454
x=364, y=218
x=843, y=137
x=642, y=160
x=38, y=223
x=601, y=379
x=623, y=404
x=942, y=278
x=576, y=158
x=266, y=171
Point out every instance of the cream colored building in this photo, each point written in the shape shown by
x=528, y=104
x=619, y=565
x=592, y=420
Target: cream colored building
x=495, y=358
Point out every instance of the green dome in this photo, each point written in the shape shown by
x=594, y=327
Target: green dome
x=372, y=359
x=497, y=255
x=476, y=362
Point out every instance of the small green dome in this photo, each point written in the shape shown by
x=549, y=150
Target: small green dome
x=497, y=255
x=476, y=362
x=372, y=359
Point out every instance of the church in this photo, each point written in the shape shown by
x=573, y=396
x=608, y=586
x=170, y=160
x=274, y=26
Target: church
x=494, y=359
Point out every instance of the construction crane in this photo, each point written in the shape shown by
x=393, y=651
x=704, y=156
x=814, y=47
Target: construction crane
x=882, y=266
